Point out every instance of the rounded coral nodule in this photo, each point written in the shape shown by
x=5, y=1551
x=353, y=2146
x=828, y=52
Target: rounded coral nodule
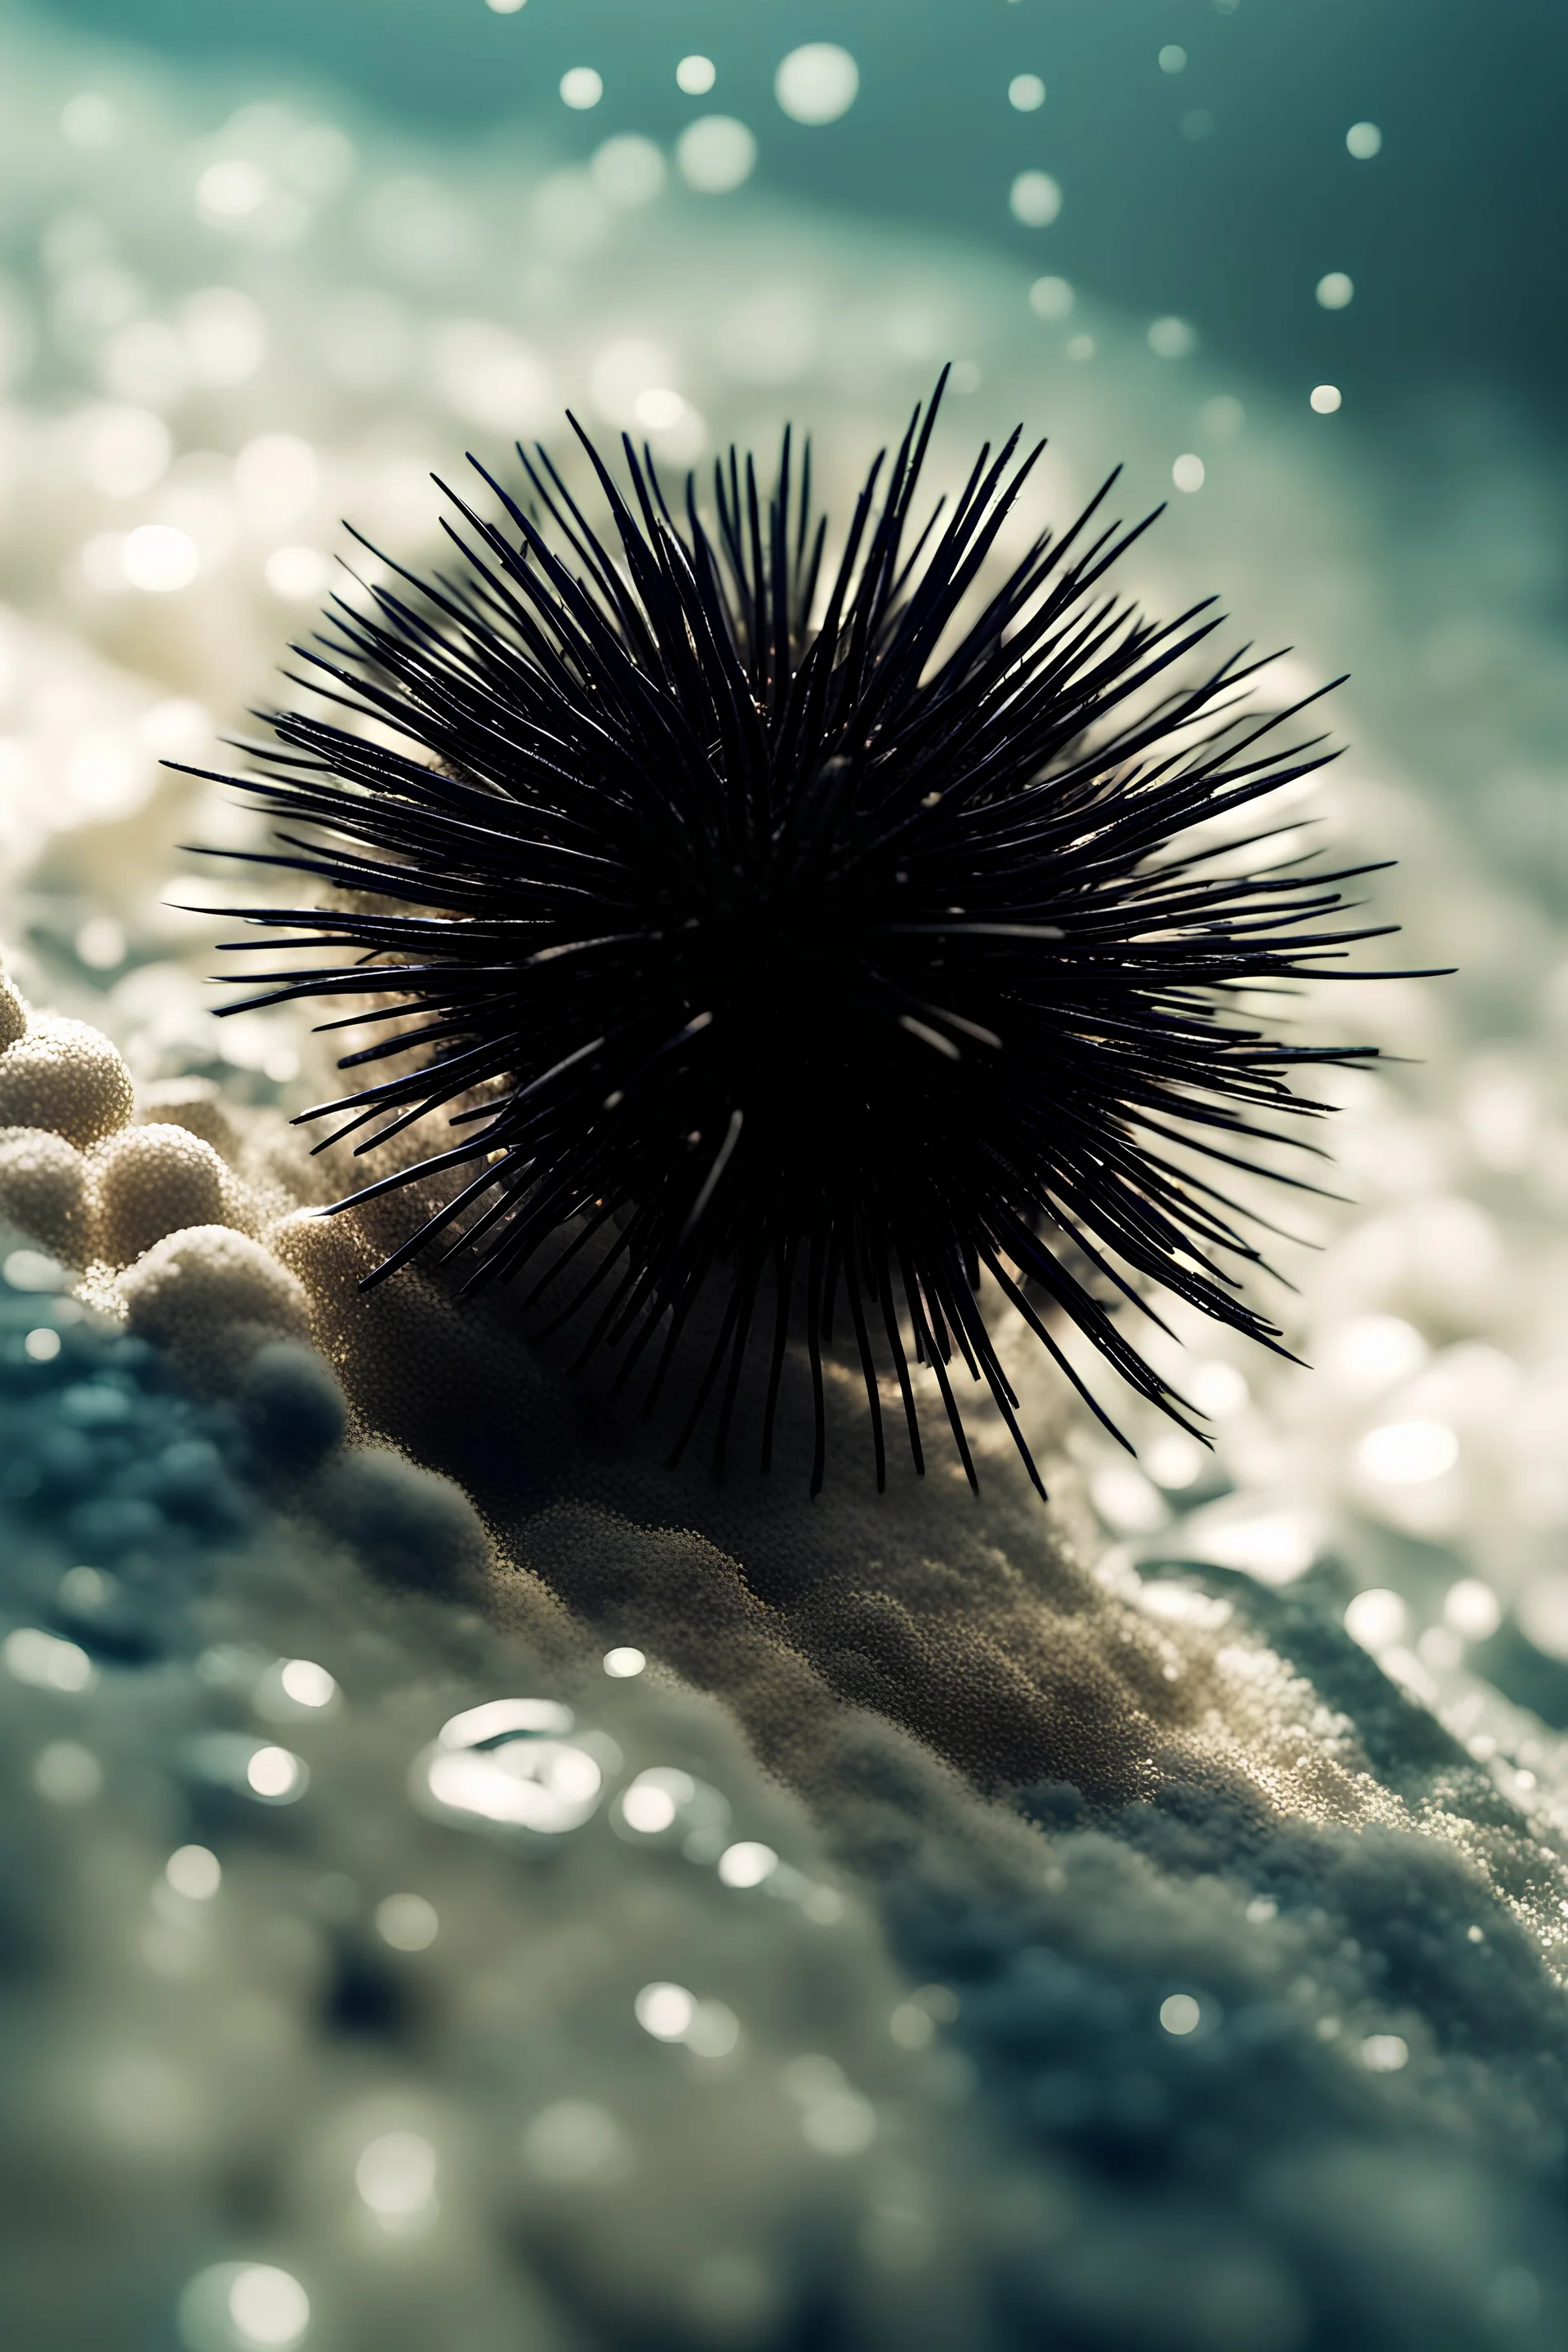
x=794, y=934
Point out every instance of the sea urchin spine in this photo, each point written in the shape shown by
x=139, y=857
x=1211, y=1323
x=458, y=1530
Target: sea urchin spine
x=780, y=927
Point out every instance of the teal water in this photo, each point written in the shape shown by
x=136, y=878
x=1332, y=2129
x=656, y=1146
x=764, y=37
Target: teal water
x=1222, y=192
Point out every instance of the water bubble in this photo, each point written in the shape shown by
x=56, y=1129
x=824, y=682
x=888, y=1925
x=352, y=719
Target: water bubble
x=628, y=171
x=1187, y=473
x=747, y=1863
x=651, y=1804
x=659, y=408
x=696, y=76
x=1376, y=1618
x=836, y=2120
x=1334, y=290
x=395, y=2176
x=101, y=943
x=160, y=559
x=1365, y=140
x=307, y=1684
x=297, y=574
x=1027, y=92
x=1325, y=398
x=45, y=1662
x=621, y=1665
x=1276, y=1546
x=714, y=2031
x=194, y=1872
x=1125, y=1500
x=546, y=1786
x=1384, y=2054
x=664, y=2010
x=573, y=2142
x=500, y=1718
x=1172, y=58
x=230, y=1759
x=715, y=154
x=1407, y=1452
x=1172, y=339
x=667, y=1804
x=1035, y=199
x=506, y=1763
x=406, y=1922
x=243, y=2307
x=580, y=88
x=65, y=1773
x=1180, y=2014
x=276, y=1776
x=230, y=192
x=817, y=83
x=1051, y=297
x=31, y=1269
x=86, y=1590
x=842, y=2125
x=269, y=2307
x=1176, y=1461
x=625, y=373
x=1373, y=1352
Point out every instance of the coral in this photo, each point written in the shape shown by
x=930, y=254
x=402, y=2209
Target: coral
x=204, y=1292
x=290, y=1403
x=66, y=1076
x=411, y=1528
x=13, y=1013
x=149, y=1181
x=44, y=1190
x=195, y=1104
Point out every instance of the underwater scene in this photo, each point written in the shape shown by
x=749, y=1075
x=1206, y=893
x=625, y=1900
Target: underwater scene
x=784, y=1176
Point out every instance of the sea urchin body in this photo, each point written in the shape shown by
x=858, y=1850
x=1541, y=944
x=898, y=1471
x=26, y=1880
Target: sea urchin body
x=786, y=932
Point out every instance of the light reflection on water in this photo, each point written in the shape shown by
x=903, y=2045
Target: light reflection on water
x=505, y=1764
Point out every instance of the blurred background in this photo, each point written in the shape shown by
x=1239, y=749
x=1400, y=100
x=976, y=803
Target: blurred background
x=1204, y=150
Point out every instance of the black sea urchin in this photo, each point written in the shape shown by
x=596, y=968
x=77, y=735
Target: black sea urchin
x=781, y=924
